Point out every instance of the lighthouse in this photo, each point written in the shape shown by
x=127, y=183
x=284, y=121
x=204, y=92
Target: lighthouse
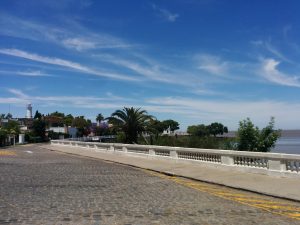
x=29, y=111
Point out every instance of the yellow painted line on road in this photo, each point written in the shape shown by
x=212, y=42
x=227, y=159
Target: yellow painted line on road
x=7, y=153
x=275, y=207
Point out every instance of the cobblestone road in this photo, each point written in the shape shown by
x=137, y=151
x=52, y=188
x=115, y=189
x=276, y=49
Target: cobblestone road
x=39, y=186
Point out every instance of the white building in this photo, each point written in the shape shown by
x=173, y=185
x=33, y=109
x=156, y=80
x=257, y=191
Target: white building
x=29, y=111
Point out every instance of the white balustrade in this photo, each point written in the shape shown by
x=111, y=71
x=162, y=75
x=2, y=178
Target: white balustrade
x=257, y=162
x=293, y=166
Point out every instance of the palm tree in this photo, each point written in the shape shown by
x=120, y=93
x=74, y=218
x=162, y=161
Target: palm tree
x=99, y=118
x=132, y=121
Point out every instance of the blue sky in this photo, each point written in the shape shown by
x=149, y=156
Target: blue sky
x=194, y=61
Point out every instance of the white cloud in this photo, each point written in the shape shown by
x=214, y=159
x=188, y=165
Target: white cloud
x=64, y=63
x=187, y=111
x=276, y=52
x=18, y=93
x=267, y=45
x=29, y=73
x=78, y=43
x=166, y=14
x=75, y=37
x=211, y=64
x=151, y=71
x=270, y=72
x=109, y=102
x=14, y=100
x=229, y=112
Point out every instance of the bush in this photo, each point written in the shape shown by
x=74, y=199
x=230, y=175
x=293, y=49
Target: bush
x=191, y=142
x=250, y=138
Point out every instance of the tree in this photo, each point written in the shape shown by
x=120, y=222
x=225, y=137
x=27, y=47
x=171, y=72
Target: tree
x=198, y=130
x=3, y=136
x=81, y=124
x=39, y=128
x=155, y=128
x=268, y=137
x=172, y=124
x=217, y=128
x=12, y=127
x=99, y=118
x=132, y=121
x=68, y=120
x=58, y=114
x=37, y=115
x=8, y=116
x=250, y=138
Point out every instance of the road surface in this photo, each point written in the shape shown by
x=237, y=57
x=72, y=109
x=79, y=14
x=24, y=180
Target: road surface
x=39, y=186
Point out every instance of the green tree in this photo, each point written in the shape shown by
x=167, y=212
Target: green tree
x=268, y=137
x=8, y=116
x=58, y=114
x=3, y=136
x=155, y=128
x=132, y=121
x=250, y=138
x=37, y=115
x=68, y=120
x=39, y=128
x=81, y=124
x=217, y=128
x=172, y=124
x=99, y=118
x=12, y=127
x=198, y=130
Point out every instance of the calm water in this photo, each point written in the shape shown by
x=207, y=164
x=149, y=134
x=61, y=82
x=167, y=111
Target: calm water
x=288, y=145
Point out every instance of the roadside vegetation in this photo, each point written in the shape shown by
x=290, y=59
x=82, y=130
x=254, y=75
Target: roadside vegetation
x=136, y=126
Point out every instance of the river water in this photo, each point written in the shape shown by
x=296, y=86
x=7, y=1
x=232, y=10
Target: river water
x=289, y=145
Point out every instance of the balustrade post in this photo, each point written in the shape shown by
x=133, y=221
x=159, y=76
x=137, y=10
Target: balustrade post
x=112, y=148
x=124, y=149
x=227, y=160
x=277, y=165
x=173, y=154
x=151, y=152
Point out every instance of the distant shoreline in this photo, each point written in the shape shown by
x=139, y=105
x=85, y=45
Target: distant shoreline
x=284, y=134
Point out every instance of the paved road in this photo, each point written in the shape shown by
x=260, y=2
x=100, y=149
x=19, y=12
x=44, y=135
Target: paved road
x=39, y=186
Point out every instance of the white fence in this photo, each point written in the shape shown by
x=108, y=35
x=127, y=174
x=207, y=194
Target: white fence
x=278, y=164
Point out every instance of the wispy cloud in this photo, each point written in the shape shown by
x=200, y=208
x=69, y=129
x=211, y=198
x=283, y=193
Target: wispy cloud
x=64, y=63
x=165, y=14
x=28, y=73
x=79, y=43
x=269, y=70
x=192, y=110
x=147, y=69
x=269, y=47
x=211, y=64
x=108, y=101
x=18, y=93
x=75, y=37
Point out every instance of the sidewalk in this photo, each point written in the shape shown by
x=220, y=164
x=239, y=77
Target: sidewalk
x=288, y=188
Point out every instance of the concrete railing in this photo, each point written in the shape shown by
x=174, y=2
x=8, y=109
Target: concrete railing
x=277, y=164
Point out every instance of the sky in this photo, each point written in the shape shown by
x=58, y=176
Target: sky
x=193, y=61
